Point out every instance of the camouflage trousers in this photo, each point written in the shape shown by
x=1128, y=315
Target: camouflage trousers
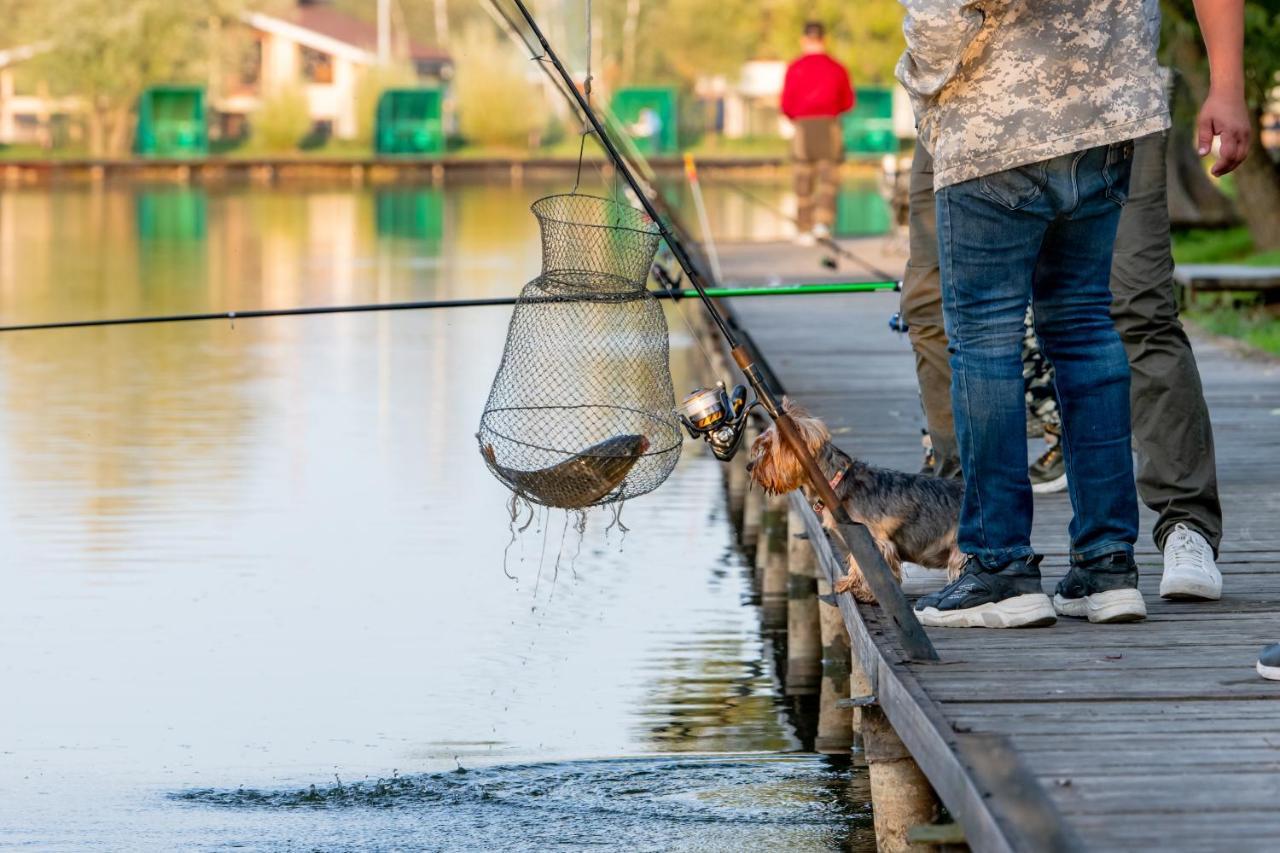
x=1037, y=381
x=1177, y=470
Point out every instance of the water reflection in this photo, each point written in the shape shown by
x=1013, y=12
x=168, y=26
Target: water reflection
x=256, y=553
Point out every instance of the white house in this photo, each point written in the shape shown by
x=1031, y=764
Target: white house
x=323, y=50
x=26, y=109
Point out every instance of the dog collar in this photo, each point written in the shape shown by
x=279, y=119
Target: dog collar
x=818, y=505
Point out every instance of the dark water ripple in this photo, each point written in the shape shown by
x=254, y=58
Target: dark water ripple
x=666, y=803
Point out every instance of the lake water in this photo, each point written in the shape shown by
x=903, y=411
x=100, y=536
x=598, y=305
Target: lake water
x=253, y=595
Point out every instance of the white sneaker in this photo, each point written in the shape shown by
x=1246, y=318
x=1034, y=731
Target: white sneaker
x=805, y=238
x=821, y=232
x=1269, y=662
x=920, y=580
x=1189, y=569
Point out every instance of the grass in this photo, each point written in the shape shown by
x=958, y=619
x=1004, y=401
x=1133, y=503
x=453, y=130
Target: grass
x=1211, y=245
x=1252, y=323
x=1242, y=316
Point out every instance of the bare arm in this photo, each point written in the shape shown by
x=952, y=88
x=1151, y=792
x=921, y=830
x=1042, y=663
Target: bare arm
x=1224, y=113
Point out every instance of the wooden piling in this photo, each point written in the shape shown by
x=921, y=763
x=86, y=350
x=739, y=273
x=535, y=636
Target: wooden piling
x=804, y=637
x=771, y=563
x=835, y=721
x=901, y=796
x=752, y=508
x=736, y=484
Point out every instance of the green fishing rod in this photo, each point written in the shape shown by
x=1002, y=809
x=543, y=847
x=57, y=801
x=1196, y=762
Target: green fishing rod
x=856, y=538
x=674, y=294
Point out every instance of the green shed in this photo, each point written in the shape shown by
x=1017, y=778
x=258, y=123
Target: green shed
x=649, y=116
x=868, y=127
x=410, y=121
x=172, y=122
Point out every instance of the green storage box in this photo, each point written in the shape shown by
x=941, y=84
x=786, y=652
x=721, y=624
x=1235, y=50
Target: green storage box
x=172, y=122
x=868, y=127
x=410, y=121
x=649, y=116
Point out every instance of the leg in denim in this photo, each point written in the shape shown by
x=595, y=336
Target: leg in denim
x=1072, y=303
x=1043, y=232
x=988, y=253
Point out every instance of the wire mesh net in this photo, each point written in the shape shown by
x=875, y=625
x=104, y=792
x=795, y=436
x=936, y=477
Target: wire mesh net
x=582, y=412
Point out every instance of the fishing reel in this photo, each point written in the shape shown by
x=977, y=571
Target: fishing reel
x=718, y=417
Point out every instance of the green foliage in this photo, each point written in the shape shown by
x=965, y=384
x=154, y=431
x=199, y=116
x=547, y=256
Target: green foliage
x=1211, y=245
x=680, y=40
x=281, y=122
x=109, y=52
x=497, y=104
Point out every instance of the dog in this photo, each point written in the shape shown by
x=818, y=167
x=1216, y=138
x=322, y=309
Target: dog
x=912, y=517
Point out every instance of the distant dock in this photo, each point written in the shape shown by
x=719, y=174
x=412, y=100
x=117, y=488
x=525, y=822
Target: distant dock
x=1151, y=736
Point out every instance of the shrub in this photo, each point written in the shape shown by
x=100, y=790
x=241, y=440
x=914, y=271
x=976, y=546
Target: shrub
x=281, y=122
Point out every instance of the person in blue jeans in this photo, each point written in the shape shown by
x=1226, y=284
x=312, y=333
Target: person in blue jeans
x=1030, y=117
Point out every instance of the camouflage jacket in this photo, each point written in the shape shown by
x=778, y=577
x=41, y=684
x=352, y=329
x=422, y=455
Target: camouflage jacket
x=998, y=84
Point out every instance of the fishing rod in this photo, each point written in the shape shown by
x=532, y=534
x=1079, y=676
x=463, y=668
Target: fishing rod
x=672, y=293
x=631, y=155
x=857, y=539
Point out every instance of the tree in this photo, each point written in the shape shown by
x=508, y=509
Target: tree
x=496, y=91
x=1258, y=178
x=108, y=51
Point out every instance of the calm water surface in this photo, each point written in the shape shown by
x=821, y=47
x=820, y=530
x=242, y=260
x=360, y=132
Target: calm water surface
x=253, y=592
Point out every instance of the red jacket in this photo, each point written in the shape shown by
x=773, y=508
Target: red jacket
x=816, y=85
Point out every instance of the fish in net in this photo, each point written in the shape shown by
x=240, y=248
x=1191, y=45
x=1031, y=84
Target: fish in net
x=582, y=411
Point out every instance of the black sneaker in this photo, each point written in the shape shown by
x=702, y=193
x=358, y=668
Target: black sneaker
x=1105, y=590
x=1049, y=472
x=1009, y=598
x=1269, y=662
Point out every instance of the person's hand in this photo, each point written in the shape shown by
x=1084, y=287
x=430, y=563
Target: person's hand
x=1225, y=116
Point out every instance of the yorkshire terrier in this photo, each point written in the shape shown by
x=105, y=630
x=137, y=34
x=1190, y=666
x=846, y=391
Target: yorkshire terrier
x=912, y=517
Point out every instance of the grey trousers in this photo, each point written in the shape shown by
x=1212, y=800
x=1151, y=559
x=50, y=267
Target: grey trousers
x=1176, y=472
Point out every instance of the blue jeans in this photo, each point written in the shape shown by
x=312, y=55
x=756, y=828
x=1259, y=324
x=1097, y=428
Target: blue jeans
x=1043, y=233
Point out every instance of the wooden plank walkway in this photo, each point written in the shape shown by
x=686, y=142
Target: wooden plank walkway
x=1156, y=735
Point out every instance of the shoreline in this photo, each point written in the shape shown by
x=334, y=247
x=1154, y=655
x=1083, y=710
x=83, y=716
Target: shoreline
x=358, y=171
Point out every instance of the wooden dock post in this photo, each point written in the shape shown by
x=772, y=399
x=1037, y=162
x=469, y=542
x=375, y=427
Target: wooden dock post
x=835, y=721
x=804, y=637
x=771, y=563
x=736, y=484
x=752, y=508
x=901, y=796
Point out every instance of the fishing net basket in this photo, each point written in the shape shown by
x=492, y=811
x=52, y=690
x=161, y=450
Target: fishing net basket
x=582, y=411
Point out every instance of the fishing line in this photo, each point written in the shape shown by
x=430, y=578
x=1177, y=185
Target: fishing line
x=828, y=242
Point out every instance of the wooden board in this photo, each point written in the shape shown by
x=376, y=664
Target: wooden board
x=1157, y=735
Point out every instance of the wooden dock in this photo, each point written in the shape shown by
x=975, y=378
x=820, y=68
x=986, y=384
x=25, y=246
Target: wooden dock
x=1150, y=736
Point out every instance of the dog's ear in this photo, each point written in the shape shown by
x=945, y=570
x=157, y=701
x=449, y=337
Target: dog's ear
x=766, y=466
x=811, y=429
x=791, y=407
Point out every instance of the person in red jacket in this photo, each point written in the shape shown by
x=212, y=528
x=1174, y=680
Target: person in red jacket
x=814, y=94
